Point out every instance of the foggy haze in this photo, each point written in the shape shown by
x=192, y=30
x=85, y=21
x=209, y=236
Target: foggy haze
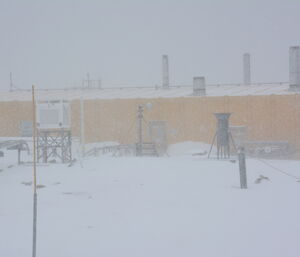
x=199, y=157
x=55, y=44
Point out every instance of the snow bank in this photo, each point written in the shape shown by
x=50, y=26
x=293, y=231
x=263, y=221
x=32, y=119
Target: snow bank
x=189, y=148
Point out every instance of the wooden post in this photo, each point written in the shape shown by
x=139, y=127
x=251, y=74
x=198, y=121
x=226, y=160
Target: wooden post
x=34, y=175
x=82, y=135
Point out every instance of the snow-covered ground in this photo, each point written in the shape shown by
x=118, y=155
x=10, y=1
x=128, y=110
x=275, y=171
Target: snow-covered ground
x=178, y=206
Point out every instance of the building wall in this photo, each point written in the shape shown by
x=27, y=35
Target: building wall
x=11, y=115
x=273, y=117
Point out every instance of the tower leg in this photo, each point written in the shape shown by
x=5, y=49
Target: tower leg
x=212, y=144
x=233, y=143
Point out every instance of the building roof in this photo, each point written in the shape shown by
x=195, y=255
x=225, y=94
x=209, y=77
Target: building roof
x=148, y=92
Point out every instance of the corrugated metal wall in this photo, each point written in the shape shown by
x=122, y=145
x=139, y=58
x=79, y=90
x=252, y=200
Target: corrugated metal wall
x=273, y=117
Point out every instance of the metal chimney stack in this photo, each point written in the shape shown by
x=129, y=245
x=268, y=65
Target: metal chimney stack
x=199, y=88
x=165, y=71
x=247, y=69
x=294, y=64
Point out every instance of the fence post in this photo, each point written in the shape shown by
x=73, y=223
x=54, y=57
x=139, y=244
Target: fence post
x=242, y=167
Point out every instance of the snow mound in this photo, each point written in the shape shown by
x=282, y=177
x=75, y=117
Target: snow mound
x=189, y=148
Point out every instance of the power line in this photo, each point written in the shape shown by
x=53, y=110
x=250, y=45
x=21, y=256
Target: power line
x=277, y=169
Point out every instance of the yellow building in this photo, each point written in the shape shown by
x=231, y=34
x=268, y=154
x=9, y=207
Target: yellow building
x=270, y=112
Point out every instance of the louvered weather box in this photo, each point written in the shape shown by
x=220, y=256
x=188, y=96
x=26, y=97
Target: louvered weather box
x=53, y=131
x=54, y=114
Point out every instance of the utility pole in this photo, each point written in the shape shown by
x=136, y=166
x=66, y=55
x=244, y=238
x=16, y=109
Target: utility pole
x=82, y=139
x=34, y=174
x=140, y=130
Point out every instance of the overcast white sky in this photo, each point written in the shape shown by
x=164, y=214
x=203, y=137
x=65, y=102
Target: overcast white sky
x=54, y=43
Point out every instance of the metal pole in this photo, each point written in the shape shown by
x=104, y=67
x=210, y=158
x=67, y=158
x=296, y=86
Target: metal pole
x=82, y=139
x=242, y=167
x=34, y=176
x=212, y=144
x=19, y=155
x=140, y=130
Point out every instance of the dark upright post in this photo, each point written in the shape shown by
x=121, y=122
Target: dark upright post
x=242, y=167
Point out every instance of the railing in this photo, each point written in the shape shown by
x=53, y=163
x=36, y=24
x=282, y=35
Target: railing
x=148, y=149
x=156, y=86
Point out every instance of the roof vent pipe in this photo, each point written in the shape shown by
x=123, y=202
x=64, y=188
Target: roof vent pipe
x=199, y=88
x=165, y=71
x=247, y=69
x=294, y=63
